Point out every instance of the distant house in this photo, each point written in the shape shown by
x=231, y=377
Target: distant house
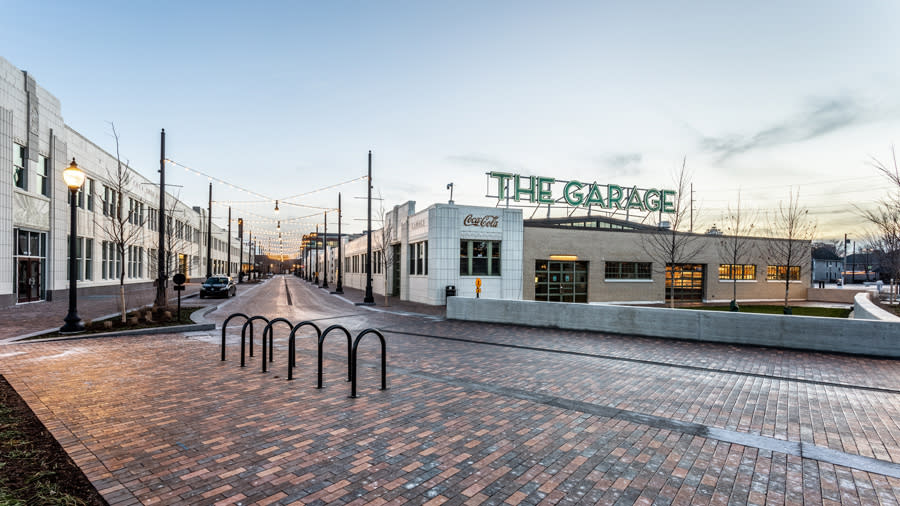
x=864, y=266
x=826, y=264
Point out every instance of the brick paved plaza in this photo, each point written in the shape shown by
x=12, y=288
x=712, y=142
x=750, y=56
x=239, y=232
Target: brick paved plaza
x=474, y=414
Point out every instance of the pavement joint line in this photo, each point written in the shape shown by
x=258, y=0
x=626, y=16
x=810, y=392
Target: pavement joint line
x=798, y=449
x=795, y=448
x=398, y=313
x=287, y=292
x=652, y=362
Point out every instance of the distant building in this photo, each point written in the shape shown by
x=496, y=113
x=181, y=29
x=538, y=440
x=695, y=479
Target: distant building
x=35, y=146
x=826, y=264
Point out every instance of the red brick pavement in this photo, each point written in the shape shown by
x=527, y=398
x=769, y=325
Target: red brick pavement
x=160, y=420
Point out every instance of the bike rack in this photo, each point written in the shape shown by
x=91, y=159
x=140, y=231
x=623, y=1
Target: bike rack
x=353, y=361
x=271, y=333
x=243, y=334
x=225, y=324
x=349, y=347
x=292, y=360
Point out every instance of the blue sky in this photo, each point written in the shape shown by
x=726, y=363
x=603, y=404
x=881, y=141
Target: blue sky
x=286, y=97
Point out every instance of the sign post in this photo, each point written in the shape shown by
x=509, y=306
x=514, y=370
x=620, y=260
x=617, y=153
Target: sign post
x=179, y=280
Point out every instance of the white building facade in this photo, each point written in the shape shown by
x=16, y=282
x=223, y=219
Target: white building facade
x=417, y=255
x=35, y=146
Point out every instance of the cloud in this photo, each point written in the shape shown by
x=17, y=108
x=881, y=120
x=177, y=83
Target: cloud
x=481, y=161
x=623, y=164
x=822, y=117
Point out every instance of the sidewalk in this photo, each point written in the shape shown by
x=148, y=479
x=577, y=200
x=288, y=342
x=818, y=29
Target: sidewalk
x=32, y=317
x=393, y=303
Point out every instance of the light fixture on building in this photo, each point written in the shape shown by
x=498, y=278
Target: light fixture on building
x=564, y=258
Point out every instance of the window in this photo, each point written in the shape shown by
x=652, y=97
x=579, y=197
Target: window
x=152, y=219
x=110, y=202
x=83, y=259
x=42, y=175
x=90, y=193
x=779, y=272
x=628, y=270
x=418, y=259
x=560, y=281
x=479, y=258
x=20, y=156
x=737, y=271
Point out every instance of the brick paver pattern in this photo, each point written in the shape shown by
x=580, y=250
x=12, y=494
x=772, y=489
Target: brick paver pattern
x=474, y=414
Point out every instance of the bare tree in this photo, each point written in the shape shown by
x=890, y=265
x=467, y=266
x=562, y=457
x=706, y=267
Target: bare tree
x=736, y=246
x=790, y=234
x=886, y=218
x=385, y=247
x=122, y=227
x=671, y=246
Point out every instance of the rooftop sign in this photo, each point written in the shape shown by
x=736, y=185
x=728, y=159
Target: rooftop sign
x=539, y=189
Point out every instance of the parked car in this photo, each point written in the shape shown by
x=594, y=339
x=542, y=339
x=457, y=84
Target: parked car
x=218, y=286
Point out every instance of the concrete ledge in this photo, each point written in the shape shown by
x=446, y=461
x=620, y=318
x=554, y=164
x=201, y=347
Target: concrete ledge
x=861, y=337
x=865, y=309
x=172, y=329
x=842, y=295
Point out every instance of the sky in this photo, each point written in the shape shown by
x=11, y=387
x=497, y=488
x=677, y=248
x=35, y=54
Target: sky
x=286, y=98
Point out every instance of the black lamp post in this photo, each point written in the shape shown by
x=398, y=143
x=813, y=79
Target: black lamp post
x=325, y=254
x=368, y=298
x=74, y=178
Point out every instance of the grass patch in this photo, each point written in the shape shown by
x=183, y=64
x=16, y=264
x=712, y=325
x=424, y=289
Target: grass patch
x=828, y=312
x=135, y=320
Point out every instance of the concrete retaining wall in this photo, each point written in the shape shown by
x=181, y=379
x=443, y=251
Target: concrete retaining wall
x=865, y=309
x=862, y=337
x=841, y=295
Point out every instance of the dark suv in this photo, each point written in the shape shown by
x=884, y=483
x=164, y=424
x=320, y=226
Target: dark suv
x=218, y=286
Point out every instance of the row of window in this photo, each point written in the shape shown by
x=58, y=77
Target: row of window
x=642, y=270
x=357, y=263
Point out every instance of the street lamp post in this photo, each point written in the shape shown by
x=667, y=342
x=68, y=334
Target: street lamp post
x=74, y=178
x=340, y=281
x=368, y=298
x=317, y=255
x=241, y=251
x=325, y=255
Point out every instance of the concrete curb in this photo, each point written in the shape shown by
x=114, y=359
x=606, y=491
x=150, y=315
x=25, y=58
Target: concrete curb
x=172, y=329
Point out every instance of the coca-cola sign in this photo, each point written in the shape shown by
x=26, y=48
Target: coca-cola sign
x=481, y=221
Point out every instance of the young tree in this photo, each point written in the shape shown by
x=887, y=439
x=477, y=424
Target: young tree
x=735, y=247
x=672, y=246
x=790, y=234
x=385, y=248
x=886, y=219
x=121, y=227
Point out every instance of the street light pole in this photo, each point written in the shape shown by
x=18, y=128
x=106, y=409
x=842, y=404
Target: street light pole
x=74, y=178
x=369, y=299
x=340, y=280
x=317, y=255
x=228, y=246
x=161, y=251
x=325, y=255
x=209, y=235
x=240, y=249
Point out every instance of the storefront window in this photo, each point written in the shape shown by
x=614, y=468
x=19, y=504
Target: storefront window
x=479, y=258
x=628, y=270
x=778, y=272
x=737, y=271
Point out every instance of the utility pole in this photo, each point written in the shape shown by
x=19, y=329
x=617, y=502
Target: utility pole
x=325, y=254
x=340, y=281
x=240, y=249
x=369, y=299
x=228, y=246
x=692, y=207
x=161, y=252
x=317, y=254
x=209, y=235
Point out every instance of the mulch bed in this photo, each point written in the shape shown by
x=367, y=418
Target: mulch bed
x=34, y=468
